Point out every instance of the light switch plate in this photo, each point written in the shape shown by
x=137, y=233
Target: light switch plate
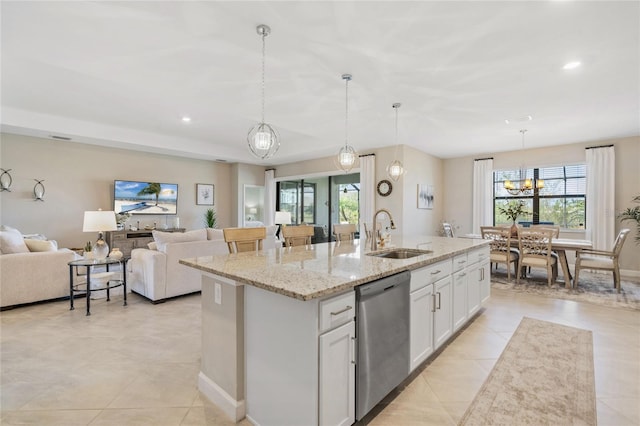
x=218, y=293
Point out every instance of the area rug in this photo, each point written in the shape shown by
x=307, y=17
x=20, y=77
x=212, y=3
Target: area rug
x=543, y=377
x=596, y=288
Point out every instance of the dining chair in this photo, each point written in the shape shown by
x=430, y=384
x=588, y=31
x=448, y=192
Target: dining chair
x=554, y=228
x=602, y=260
x=447, y=230
x=244, y=239
x=297, y=235
x=535, y=251
x=344, y=232
x=500, y=247
x=368, y=228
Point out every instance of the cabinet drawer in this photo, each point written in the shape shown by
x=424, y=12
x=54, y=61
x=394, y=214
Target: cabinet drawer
x=429, y=274
x=337, y=310
x=478, y=255
x=460, y=261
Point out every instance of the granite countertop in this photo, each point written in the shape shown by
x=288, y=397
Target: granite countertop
x=319, y=270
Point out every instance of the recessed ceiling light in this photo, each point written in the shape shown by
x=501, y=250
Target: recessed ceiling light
x=186, y=119
x=518, y=120
x=571, y=65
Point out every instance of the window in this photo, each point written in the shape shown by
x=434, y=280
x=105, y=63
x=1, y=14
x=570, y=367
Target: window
x=299, y=199
x=560, y=202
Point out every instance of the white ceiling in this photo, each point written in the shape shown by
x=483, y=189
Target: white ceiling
x=123, y=73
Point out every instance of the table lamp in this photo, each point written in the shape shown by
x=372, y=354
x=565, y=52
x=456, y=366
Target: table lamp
x=282, y=219
x=99, y=221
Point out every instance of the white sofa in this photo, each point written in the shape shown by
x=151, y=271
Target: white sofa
x=156, y=274
x=31, y=270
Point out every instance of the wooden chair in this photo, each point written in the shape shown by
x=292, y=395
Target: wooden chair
x=344, y=232
x=501, y=250
x=554, y=228
x=368, y=228
x=297, y=235
x=244, y=239
x=535, y=251
x=602, y=260
x=447, y=230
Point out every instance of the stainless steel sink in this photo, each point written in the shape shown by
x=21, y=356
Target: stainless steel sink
x=399, y=253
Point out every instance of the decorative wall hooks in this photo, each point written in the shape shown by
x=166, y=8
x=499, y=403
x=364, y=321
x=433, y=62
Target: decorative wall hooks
x=5, y=180
x=38, y=190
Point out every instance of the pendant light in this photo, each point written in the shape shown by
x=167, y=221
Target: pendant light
x=395, y=169
x=347, y=155
x=262, y=138
x=525, y=184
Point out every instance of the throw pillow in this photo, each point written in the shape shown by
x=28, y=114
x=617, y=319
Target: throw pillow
x=164, y=238
x=152, y=245
x=12, y=242
x=40, y=245
x=215, y=234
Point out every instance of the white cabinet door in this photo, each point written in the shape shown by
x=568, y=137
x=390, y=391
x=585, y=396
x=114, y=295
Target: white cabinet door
x=421, y=325
x=460, y=284
x=442, y=329
x=337, y=376
x=473, y=288
x=485, y=280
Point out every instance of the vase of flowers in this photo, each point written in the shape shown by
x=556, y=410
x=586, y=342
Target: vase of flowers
x=513, y=210
x=121, y=219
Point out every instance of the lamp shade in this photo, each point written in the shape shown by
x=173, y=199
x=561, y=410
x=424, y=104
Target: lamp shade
x=99, y=221
x=282, y=218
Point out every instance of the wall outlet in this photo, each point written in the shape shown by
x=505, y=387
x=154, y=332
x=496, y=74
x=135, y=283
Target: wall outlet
x=218, y=293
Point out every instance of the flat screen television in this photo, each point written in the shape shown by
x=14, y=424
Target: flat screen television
x=145, y=197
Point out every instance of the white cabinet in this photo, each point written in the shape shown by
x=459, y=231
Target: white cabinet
x=459, y=302
x=442, y=328
x=337, y=376
x=473, y=289
x=479, y=279
x=421, y=337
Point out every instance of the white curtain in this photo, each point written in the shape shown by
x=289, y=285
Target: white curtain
x=482, y=208
x=367, y=190
x=269, y=197
x=601, y=189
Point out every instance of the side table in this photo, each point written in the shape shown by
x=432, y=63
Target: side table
x=89, y=264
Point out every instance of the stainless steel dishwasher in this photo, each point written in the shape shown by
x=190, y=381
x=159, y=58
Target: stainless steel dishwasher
x=383, y=339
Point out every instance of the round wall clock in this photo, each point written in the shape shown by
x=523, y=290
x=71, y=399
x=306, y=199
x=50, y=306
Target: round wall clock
x=384, y=187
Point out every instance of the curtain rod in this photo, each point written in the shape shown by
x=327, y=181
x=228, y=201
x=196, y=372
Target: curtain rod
x=367, y=155
x=481, y=159
x=600, y=146
x=272, y=168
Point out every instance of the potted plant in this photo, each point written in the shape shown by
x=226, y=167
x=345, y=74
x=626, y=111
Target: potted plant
x=633, y=214
x=513, y=210
x=210, y=218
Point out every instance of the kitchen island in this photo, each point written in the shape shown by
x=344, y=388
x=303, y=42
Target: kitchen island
x=278, y=325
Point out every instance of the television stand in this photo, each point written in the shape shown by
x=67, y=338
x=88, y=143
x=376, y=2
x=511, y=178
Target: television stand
x=127, y=240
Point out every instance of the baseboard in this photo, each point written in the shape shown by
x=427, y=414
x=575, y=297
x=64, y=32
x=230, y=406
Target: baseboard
x=235, y=410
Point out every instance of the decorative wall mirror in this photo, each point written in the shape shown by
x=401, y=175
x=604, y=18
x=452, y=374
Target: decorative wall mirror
x=253, y=206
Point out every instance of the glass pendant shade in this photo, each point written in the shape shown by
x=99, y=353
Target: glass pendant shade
x=5, y=180
x=395, y=170
x=263, y=140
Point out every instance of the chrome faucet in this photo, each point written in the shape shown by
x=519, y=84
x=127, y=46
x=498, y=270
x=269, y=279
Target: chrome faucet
x=374, y=240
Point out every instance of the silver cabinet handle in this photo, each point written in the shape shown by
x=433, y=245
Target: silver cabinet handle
x=463, y=275
x=460, y=262
x=436, y=272
x=439, y=300
x=353, y=349
x=433, y=296
x=342, y=310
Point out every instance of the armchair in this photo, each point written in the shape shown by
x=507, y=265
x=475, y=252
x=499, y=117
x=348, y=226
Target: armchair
x=602, y=260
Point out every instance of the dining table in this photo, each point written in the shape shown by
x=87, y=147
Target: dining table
x=560, y=246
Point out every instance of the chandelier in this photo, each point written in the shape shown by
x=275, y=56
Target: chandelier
x=263, y=139
x=347, y=155
x=395, y=169
x=525, y=184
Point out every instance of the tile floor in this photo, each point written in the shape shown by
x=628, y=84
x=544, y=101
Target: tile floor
x=138, y=365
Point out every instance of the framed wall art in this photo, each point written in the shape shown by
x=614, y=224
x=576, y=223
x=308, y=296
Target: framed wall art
x=204, y=194
x=425, y=196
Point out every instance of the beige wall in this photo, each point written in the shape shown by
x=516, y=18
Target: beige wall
x=458, y=173
x=79, y=177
